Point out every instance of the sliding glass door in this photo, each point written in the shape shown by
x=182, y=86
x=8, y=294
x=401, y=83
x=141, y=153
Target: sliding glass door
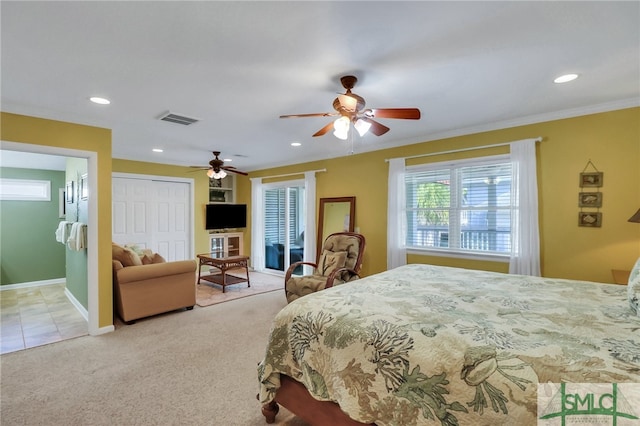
x=284, y=223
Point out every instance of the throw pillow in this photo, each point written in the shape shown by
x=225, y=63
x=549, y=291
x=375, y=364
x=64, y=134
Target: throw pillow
x=330, y=261
x=633, y=288
x=158, y=259
x=146, y=255
x=126, y=256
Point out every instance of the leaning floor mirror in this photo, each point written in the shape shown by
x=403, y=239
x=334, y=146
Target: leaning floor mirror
x=335, y=215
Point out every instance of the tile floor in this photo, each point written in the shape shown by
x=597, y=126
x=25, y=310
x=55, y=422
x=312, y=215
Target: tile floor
x=37, y=316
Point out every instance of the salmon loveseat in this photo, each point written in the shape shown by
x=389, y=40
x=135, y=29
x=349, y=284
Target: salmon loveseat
x=147, y=285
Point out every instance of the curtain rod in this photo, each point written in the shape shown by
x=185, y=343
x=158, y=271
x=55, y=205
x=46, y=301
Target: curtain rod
x=291, y=174
x=538, y=139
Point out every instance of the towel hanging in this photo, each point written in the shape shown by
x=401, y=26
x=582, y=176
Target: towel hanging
x=62, y=233
x=77, y=236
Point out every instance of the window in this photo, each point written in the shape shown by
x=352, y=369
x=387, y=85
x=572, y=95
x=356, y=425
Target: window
x=25, y=190
x=463, y=206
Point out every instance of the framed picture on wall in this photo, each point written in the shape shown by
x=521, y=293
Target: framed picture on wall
x=590, y=219
x=69, y=192
x=84, y=187
x=590, y=199
x=592, y=179
x=62, y=206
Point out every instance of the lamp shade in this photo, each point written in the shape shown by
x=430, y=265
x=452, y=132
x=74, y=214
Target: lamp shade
x=341, y=126
x=635, y=217
x=220, y=174
x=362, y=126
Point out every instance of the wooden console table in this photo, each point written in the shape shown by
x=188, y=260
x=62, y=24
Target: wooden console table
x=223, y=263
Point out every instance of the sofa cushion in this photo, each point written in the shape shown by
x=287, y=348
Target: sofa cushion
x=126, y=256
x=330, y=261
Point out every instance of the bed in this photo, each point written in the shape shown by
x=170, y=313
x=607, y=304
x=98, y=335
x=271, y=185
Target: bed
x=423, y=345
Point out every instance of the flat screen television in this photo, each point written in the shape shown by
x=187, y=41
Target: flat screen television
x=225, y=216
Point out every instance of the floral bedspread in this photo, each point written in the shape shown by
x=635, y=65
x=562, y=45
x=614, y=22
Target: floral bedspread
x=422, y=345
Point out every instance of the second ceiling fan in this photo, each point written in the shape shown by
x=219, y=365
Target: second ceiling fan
x=350, y=110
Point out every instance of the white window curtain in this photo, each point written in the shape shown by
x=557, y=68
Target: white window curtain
x=310, y=219
x=396, y=220
x=525, y=247
x=257, y=224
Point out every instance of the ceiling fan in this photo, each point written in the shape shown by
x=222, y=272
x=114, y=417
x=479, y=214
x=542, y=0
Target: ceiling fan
x=217, y=169
x=350, y=110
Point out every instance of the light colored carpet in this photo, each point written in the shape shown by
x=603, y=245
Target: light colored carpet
x=208, y=294
x=193, y=367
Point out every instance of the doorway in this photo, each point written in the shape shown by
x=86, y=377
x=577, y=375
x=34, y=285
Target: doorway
x=92, y=220
x=284, y=224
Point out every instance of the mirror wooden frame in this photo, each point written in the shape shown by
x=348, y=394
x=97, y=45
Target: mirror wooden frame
x=321, y=218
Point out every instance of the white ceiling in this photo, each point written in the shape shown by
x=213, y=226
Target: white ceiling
x=238, y=66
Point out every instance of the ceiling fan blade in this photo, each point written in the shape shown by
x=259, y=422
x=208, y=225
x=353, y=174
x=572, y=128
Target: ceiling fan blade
x=404, y=113
x=376, y=128
x=234, y=170
x=318, y=114
x=324, y=130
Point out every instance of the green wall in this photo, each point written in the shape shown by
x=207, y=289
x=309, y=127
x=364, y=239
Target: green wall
x=28, y=248
x=76, y=260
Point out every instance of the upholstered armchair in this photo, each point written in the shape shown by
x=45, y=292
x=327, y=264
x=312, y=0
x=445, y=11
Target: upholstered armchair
x=338, y=262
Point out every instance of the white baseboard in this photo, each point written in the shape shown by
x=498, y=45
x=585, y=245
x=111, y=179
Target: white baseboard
x=78, y=305
x=32, y=284
x=102, y=330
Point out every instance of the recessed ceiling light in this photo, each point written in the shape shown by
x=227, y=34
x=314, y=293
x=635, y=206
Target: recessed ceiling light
x=157, y=150
x=98, y=100
x=295, y=144
x=565, y=78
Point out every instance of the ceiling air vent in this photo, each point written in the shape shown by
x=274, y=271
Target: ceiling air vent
x=178, y=119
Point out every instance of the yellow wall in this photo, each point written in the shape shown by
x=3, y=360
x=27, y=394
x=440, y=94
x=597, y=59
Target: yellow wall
x=38, y=131
x=610, y=140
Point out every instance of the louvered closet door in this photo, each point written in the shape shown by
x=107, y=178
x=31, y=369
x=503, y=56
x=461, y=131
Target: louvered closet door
x=153, y=214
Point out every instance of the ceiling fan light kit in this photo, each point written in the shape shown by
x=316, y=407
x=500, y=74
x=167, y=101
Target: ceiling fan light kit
x=350, y=110
x=220, y=174
x=217, y=169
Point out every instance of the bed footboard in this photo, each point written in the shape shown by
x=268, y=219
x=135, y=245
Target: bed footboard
x=294, y=397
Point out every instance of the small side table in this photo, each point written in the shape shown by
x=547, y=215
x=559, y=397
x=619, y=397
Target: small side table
x=223, y=263
x=620, y=276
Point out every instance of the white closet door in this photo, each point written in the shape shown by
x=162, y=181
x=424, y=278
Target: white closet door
x=171, y=219
x=153, y=214
x=131, y=212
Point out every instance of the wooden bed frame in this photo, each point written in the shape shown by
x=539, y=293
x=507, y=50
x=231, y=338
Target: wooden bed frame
x=294, y=397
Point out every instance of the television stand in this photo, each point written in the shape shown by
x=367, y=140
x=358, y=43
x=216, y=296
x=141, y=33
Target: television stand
x=227, y=242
